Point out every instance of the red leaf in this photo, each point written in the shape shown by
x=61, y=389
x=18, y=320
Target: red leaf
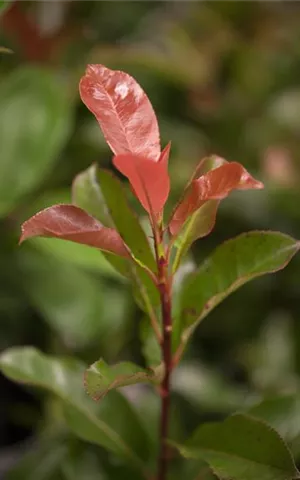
x=123, y=111
x=149, y=179
x=216, y=184
x=72, y=223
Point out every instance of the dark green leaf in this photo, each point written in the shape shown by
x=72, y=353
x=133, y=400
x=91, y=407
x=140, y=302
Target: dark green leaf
x=231, y=265
x=88, y=194
x=125, y=220
x=43, y=461
x=242, y=448
x=111, y=424
x=35, y=121
x=282, y=413
x=100, y=378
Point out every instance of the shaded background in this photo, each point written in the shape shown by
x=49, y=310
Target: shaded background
x=223, y=78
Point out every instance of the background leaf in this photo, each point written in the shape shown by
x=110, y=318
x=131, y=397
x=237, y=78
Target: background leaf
x=82, y=309
x=86, y=194
x=35, y=123
x=89, y=422
x=4, y=4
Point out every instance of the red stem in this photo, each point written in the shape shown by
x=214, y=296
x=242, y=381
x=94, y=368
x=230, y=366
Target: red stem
x=165, y=295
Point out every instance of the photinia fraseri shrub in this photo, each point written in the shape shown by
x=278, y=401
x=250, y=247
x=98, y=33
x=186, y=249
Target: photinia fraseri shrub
x=242, y=447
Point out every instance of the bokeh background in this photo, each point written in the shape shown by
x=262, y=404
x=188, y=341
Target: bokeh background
x=224, y=78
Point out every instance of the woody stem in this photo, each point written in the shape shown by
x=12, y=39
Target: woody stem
x=164, y=286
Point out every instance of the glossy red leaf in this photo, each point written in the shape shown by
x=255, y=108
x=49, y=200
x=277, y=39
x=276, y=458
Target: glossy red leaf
x=214, y=185
x=123, y=111
x=149, y=179
x=69, y=222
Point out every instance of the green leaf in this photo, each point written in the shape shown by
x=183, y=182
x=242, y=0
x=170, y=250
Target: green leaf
x=230, y=266
x=111, y=424
x=81, y=308
x=206, y=389
x=198, y=225
x=125, y=220
x=35, y=122
x=100, y=378
x=89, y=195
x=86, y=194
x=4, y=4
x=88, y=464
x=270, y=357
x=282, y=413
x=179, y=279
x=145, y=291
x=43, y=460
x=79, y=255
x=150, y=346
x=194, y=469
x=242, y=448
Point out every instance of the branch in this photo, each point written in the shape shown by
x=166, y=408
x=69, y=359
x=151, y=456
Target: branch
x=165, y=296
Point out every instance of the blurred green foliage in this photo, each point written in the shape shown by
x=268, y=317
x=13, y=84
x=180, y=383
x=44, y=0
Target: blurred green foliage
x=223, y=78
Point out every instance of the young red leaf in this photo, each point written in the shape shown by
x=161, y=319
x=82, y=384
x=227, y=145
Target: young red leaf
x=149, y=179
x=214, y=185
x=72, y=223
x=123, y=111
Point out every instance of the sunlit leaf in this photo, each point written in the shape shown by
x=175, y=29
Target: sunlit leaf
x=123, y=111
